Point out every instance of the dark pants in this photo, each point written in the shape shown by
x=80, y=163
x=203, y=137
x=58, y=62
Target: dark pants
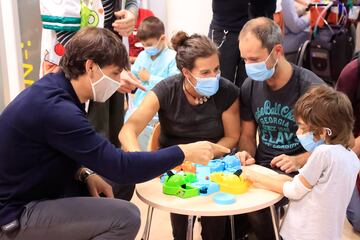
x=353, y=210
x=231, y=65
x=262, y=8
x=77, y=218
x=213, y=228
x=259, y=222
x=108, y=119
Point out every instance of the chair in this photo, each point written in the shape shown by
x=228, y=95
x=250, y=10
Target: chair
x=154, y=138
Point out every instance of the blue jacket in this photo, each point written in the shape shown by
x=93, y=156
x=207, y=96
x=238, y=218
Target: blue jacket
x=45, y=136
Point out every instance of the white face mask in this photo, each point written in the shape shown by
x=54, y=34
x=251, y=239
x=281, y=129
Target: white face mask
x=104, y=88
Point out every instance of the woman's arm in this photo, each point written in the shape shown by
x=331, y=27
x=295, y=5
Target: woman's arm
x=292, y=21
x=231, y=123
x=138, y=121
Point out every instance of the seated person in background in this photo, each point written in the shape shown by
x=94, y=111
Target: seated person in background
x=134, y=48
x=154, y=64
x=296, y=29
x=321, y=191
x=301, y=6
x=267, y=99
x=195, y=105
x=349, y=83
x=45, y=138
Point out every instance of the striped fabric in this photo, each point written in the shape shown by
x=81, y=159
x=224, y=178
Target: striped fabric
x=64, y=36
x=60, y=16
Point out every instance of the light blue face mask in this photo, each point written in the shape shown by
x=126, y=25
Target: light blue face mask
x=307, y=141
x=153, y=50
x=206, y=86
x=258, y=71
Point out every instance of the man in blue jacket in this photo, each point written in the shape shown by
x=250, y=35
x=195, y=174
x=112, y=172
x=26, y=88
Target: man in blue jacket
x=46, y=139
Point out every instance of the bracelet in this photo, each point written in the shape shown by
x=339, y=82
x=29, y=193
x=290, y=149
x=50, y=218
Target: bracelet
x=85, y=174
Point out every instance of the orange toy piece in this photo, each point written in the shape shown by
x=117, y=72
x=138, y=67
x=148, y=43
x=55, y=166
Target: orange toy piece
x=186, y=166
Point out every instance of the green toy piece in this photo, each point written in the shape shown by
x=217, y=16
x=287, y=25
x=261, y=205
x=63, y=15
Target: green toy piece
x=180, y=185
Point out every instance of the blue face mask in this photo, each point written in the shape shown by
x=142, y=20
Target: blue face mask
x=307, y=141
x=206, y=86
x=153, y=50
x=258, y=71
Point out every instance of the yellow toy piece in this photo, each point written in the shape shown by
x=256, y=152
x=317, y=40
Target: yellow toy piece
x=230, y=183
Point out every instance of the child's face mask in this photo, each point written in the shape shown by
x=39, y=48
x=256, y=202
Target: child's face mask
x=155, y=49
x=308, y=142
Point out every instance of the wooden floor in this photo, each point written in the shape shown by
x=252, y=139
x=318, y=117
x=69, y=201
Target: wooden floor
x=161, y=227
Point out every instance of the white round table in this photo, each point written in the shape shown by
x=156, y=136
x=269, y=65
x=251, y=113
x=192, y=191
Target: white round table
x=253, y=200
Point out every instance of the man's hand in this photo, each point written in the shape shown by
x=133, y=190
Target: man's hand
x=286, y=163
x=144, y=75
x=245, y=158
x=201, y=152
x=125, y=23
x=129, y=82
x=96, y=185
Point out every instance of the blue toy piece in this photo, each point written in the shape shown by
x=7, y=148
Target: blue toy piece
x=224, y=198
x=204, y=184
x=228, y=164
x=206, y=188
x=232, y=163
x=216, y=165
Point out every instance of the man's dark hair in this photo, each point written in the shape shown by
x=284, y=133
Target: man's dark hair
x=264, y=29
x=97, y=44
x=150, y=27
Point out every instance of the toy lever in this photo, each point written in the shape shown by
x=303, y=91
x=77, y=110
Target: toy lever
x=169, y=173
x=238, y=172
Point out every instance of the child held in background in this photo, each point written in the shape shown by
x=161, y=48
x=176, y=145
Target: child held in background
x=320, y=193
x=154, y=64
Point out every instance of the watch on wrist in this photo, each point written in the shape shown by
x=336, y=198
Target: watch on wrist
x=84, y=174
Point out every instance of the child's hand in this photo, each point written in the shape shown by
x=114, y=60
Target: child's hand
x=286, y=163
x=144, y=75
x=249, y=175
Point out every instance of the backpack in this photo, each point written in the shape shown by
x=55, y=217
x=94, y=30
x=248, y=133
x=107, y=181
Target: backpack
x=329, y=51
x=331, y=47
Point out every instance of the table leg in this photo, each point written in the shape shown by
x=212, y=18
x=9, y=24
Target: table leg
x=189, y=233
x=274, y=221
x=146, y=233
x=232, y=224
